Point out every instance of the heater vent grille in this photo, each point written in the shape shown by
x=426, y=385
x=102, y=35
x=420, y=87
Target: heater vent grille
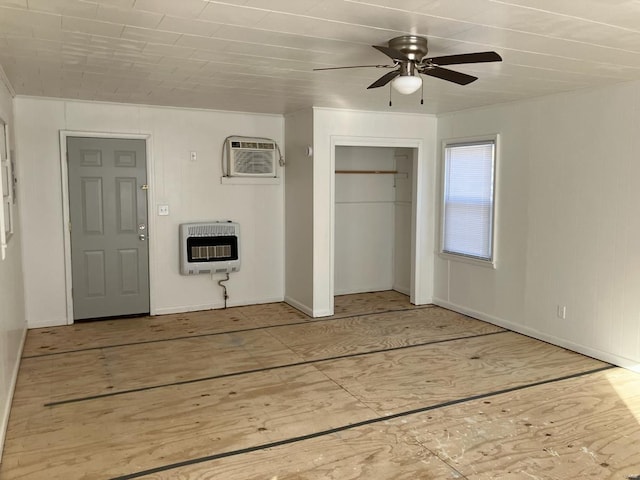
x=209, y=247
x=211, y=229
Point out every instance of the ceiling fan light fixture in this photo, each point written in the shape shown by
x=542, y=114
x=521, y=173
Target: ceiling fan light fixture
x=407, y=84
x=410, y=61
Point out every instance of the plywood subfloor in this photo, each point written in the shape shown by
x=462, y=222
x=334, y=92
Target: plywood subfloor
x=382, y=390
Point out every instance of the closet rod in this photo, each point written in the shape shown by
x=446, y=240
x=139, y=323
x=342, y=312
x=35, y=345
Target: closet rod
x=377, y=172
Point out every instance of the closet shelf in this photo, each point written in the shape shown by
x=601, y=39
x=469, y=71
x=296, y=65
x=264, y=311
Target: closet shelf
x=375, y=172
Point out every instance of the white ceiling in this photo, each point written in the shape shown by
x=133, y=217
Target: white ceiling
x=258, y=55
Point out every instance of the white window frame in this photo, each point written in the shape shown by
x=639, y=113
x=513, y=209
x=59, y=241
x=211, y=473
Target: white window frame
x=6, y=192
x=485, y=262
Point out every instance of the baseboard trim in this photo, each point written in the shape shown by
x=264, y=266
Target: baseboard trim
x=46, y=324
x=4, y=421
x=214, y=306
x=596, y=353
x=299, y=306
x=322, y=313
x=177, y=309
x=404, y=290
x=350, y=291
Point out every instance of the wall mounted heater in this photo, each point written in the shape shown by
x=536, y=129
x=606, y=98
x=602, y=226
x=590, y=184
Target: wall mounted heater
x=212, y=247
x=251, y=157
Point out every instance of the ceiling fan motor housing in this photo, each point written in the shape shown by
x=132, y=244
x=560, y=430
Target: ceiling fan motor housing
x=412, y=46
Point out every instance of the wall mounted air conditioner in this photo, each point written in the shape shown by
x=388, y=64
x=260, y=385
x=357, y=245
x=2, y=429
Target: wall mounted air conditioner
x=251, y=157
x=212, y=247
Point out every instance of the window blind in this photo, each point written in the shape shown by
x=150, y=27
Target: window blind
x=468, y=199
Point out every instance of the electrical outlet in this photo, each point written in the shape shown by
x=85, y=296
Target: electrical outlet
x=163, y=210
x=562, y=312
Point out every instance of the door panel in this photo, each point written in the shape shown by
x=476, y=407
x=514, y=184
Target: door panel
x=92, y=217
x=129, y=275
x=94, y=274
x=108, y=213
x=127, y=209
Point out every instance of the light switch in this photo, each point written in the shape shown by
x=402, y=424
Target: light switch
x=163, y=209
x=194, y=156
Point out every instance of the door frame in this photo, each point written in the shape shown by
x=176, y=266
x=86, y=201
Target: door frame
x=418, y=234
x=64, y=172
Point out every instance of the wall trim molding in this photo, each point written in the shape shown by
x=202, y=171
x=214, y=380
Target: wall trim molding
x=147, y=105
x=366, y=289
x=4, y=79
x=537, y=334
x=298, y=306
x=375, y=112
x=214, y=306
x=185, y=309
x=4, y=419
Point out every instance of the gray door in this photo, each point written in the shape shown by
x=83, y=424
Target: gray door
x=108, y=213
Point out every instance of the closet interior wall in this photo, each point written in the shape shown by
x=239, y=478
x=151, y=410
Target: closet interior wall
x=373, y=208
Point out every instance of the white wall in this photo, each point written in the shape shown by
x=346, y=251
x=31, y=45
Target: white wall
x=568, y=226
x=346, y=127
x=403, y=211
x=299, y=211
x=12, y=317
x=192, y=190
x=364, y=220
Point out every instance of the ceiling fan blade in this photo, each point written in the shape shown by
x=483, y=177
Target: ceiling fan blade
x=478, y=57
x=449, y=75
x=354, y=66
x=383, y=80
x=392, y=53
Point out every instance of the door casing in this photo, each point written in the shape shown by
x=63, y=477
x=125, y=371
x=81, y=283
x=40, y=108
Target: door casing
x=66, y=218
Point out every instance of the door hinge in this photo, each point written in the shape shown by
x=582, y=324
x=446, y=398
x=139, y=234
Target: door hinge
x=144, y=187
x=69, y=226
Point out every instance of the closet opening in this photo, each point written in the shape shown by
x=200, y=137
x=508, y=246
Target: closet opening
x=374, y=233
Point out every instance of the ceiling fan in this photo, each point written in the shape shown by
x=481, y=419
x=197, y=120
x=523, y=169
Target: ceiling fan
x=408, y=53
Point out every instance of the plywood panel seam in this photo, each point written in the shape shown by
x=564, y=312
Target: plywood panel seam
x=319, y=320
x=352, y=425
x=264, y=369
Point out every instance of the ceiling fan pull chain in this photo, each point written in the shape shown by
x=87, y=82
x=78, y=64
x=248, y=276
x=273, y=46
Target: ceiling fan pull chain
x=421, y=92
x=390, y=95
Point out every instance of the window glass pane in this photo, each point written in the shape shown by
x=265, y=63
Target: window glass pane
x=7, y=218
x=6, y=181
x=468, y=199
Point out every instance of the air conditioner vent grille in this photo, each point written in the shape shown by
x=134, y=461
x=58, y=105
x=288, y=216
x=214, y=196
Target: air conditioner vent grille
x=253, y=162
x=251, y=157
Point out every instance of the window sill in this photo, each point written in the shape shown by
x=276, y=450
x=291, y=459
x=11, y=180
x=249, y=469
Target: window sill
x=250, y=181
x=472, y=261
